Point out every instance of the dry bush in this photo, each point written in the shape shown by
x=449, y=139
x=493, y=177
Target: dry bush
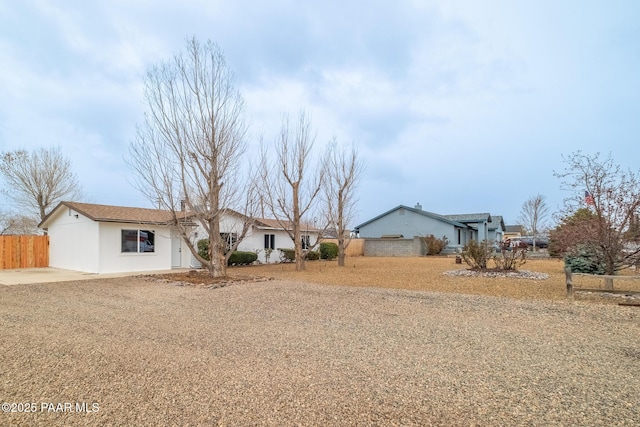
x=510, y=258
x=477, y=255
x=433, y=245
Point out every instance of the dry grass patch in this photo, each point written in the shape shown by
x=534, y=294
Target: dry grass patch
x=419, y=273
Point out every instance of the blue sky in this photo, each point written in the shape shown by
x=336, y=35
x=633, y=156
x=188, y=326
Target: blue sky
x=463, y=106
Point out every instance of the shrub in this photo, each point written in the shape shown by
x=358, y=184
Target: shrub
x=267, y=254
x=510, y=258
x=328, y=250
x=433, y=245
x=203, y=248
x=584, y=259
x=242, y=258
x=287, y=255
x=476, y=255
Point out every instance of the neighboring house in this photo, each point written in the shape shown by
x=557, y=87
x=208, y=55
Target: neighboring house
x=496, y=228
x=405, y=222
x=489, y=227
x=113, y=239
x=513, y=231
x=478, y=224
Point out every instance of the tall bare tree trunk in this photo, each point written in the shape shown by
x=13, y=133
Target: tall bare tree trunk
x=341, y=242
x=188, y=149
x=343, y=169
x=297, y=235
x=292, y=193
x=217, y=267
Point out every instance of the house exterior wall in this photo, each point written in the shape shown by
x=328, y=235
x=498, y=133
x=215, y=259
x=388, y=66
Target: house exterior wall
x=456, y=244
x=254, y=240
x=73, y=242
x=185, y=254
x=77, y=242
x=113, y=260
x=495, y=235
x=479, y=231
x=408, y=224
x=231, y=224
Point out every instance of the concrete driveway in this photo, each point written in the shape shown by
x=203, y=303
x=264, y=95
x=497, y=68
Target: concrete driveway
x=20, y=276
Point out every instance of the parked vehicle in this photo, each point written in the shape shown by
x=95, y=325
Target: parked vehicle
x=541, y=242
x=145, y=243
x=146, y=246
x=134, y=241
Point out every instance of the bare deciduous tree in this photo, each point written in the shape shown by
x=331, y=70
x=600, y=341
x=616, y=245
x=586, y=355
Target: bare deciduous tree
x=613, y=196
x=343, y=171
x=188, y=149
x=291, y=182
x=534, y=215
x=37, y=181
x=17, y=224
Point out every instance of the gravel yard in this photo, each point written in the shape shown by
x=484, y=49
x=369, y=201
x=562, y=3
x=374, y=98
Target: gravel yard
x=138, y=351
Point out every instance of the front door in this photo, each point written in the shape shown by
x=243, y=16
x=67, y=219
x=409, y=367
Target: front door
x=176, y=251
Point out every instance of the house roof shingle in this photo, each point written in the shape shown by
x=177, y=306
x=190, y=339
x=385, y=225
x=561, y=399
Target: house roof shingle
x=514, y=229
x=459, y=220
x=278, y=225
x=108, y=213
x=416, y=210
x=497, y=222
x=464, y=218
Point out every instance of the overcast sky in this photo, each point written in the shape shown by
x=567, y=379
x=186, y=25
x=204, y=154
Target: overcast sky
x=464, y=106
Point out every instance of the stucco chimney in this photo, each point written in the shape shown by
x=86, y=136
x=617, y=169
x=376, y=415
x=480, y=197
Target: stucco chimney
x=418, y=206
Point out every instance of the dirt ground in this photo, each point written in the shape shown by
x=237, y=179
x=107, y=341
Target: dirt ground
x=426, y=274
x=146, y=350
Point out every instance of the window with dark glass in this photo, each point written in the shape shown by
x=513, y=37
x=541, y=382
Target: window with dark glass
x=269, y=241
x=229, y=240
x=137, y=241
x=306, y=242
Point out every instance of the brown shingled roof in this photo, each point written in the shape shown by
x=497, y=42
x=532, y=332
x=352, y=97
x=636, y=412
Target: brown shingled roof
x=273, y=223
x=107, y=213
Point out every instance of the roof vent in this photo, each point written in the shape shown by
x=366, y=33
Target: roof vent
x=418, y=206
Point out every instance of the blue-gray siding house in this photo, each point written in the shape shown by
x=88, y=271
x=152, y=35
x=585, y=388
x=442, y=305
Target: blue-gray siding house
x=488, y=227
x=405, y=222
x=497, y=228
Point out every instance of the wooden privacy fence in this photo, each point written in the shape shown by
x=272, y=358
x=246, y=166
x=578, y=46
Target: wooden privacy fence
x=355, y=248
x=24, y=252
x=605, y=278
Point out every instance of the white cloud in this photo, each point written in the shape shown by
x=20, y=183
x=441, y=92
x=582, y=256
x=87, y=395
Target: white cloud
x=437, y=94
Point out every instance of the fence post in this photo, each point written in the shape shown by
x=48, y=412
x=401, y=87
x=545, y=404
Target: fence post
x=608, y=283
x=567, y=272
